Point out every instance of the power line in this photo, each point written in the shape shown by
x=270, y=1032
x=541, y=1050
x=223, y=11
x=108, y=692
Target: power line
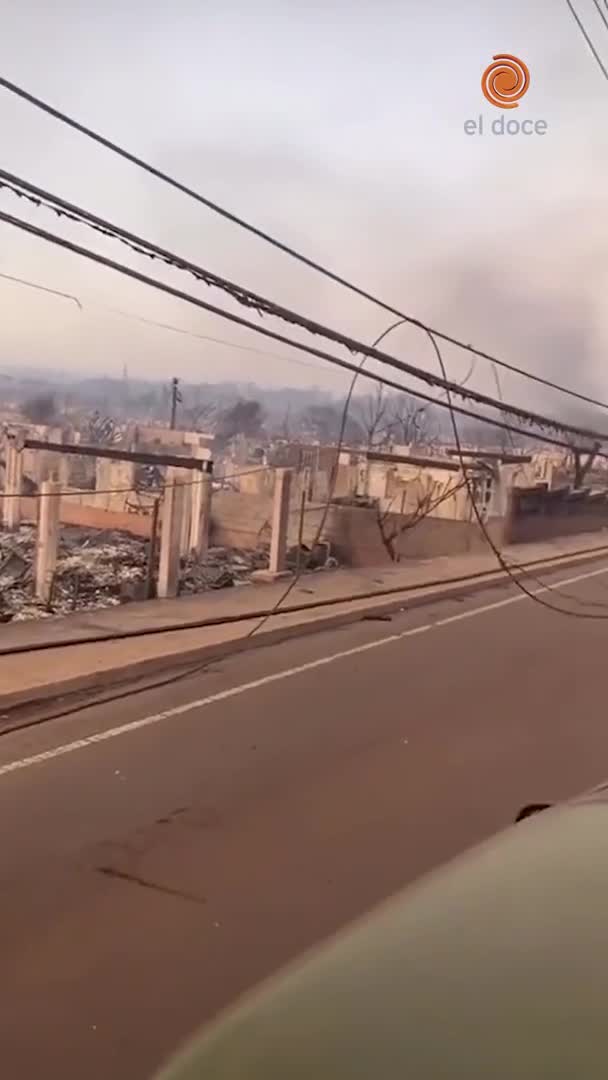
x=502, y=562
x=181, y=676
x=332, y=487
x=250, y=299
x=601, y=13
x=174, y=329
x=585, y=34
x=242, y=223
x=448, y=387
x=251, y=349
x=338, y=361
x=135, y=489
x=246, y=297
x=42, y=288
x=225, y=620
x=214, y=340
x=500, y=397
x=334, y=477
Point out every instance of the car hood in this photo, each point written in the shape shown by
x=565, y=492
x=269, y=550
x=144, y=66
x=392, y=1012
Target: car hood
x=494, y=966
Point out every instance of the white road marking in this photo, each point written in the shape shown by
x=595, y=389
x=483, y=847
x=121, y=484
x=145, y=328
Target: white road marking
x=265, y=680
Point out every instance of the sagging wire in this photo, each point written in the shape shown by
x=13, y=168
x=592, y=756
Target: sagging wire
x=134, y=489
x=228, y=215
x=230, y=316
x=333, y=478
x=263, y=306
x=42, y=288
x=579, y=22
x=502, y=562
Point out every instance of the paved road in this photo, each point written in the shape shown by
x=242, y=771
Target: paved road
x=160, y=865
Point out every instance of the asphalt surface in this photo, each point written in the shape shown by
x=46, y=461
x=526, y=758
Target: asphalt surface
x=153, y=867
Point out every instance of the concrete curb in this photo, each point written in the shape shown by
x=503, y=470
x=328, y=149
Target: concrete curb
x=327, y=620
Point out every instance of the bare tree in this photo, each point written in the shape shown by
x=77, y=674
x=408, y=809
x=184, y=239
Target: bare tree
x=410, y=422
x=373, y=415
x=392, y=525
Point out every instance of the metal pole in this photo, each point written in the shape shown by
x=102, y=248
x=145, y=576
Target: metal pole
x=174, y=397
x=301, y=529
x=150, y=582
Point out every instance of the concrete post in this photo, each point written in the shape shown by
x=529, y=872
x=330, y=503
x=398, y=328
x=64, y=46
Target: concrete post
x=185, y=479
x=63, y=472
x=501, y=484
x=173, y=505
x=13, y=482
x=280, y=520
x=201, y=513
x=48, y=538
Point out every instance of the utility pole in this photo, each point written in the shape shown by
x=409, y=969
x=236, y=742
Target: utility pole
x=176, y=397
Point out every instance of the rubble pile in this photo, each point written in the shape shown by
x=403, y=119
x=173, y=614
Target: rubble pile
x=102, y=569
x=220, y=568
x=94, y=570
x=317, y=557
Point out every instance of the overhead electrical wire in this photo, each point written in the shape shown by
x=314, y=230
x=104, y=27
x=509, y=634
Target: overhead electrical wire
x=332, y=486
x=502, y=562
x=42, y=288
x=262, y=305
x=449, y=388
x=134, y=489
x=162, y=325
x=170, y=290
x=63, y=117
x=601, y=13
x=198, y=668
x=357, y=372
x=214, y=340
x=586, y=35
x=244, y=616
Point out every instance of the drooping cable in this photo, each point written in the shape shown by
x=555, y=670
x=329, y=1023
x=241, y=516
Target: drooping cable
x=502, y=562
x=170, y=290
x=353, y=345
x=287, y=249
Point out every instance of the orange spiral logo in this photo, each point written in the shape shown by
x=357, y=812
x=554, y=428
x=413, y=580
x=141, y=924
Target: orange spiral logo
x=505, y=81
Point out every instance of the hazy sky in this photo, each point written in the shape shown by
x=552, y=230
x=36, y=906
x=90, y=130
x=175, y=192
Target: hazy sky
x=337, y=126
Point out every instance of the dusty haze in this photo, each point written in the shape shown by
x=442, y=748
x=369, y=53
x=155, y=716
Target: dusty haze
x=339, y=128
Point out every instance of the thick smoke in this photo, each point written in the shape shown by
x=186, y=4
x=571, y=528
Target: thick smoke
x=534, y=312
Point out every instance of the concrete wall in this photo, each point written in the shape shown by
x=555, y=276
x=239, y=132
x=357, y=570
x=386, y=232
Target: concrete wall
x=75, y=513
x=242, y=520
x=154, y=438
x=39, y=465
x=357, y=539
x=441, y=495
x=114, y=481
x=132, y=502
x=237, y=519
x=254, y=481
x=360, y=536
x=540, y=514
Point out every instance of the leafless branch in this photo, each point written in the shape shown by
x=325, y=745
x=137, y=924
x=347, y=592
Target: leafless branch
x=373, y=411
x=391, y=530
